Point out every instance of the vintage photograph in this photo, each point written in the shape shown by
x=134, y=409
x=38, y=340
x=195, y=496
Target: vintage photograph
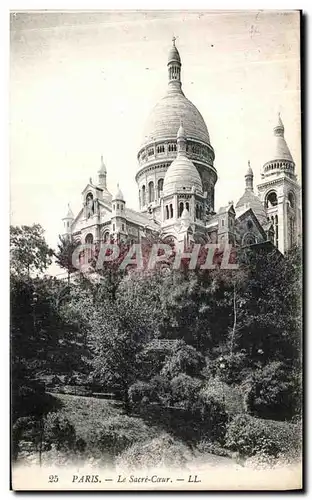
x=155, y=250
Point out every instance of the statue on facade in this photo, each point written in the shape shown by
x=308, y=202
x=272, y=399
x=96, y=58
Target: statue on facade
x=89, y=206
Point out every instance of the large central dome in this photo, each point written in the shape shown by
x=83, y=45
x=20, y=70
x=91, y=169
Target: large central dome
x=159, y=143
x=165, y=118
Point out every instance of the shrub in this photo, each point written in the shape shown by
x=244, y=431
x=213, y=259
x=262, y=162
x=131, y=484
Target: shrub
x=231, y=368
x=231, y=397
x=207, y=446
x=161, y=389
x=272, y=392
x=162, y=451
x=118, y=433
x=21, y=429
x=184, y=359
x=185, y=390
x=250, y=436
x=140, y=391
x=212, y=417
x=59, y=431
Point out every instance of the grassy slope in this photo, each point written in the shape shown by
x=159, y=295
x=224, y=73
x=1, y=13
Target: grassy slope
x=90, y=414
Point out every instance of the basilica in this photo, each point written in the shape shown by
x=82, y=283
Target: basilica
x=176, y=181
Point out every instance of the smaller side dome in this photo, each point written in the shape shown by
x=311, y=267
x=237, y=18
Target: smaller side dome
x=280, y=149
x=102, y=169
x=69, y=214
x=182, y=175
x=249, y=170
x=119, y=195
x=249, y=178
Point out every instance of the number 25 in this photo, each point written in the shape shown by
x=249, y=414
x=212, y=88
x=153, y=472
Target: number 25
x=53, y=479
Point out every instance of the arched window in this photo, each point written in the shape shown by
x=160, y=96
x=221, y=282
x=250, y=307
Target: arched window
x=88, y=252
x=167, y=212
x=171, y=211
x=143, y=196
x=181, y=207
x=200, y=212
x=249, y=239
x=151, y=191
x=89, y=238
x=197, y=212
x=106, y=236
x=187, y=206
x=160, y=186
x=271, y=199
x=291, y=199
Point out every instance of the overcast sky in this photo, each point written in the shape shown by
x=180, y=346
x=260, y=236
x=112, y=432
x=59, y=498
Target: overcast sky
x=83, y=83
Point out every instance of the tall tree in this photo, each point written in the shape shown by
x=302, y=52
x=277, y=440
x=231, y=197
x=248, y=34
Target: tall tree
x=29, y=251
x=64, y=254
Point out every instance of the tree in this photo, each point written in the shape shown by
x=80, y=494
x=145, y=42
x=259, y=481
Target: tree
x=29, y=251
x=64, y=254
x=119, y=330
x=184, y=359
x=273, y=392
x=44, y=340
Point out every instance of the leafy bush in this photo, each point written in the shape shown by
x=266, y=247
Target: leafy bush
x=118, y=433
x=212, y=416
x=207, y=446
x=59, y=431
x=185, y=390
x=161, y=389
x=158, y=390
x=184, y=359
x=231, y=397
x=272, y=392
x=140, y=391
x=231, y=368
x=250, y=436
x=162, y=451
x=21, y=429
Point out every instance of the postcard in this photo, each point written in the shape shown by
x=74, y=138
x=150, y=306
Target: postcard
x=156, y=250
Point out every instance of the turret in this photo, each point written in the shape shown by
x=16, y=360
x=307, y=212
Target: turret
x=102, y=174
x=68, y=221
x=118, y=214
x=279, y=191
x=174, y=68
x=249, y=178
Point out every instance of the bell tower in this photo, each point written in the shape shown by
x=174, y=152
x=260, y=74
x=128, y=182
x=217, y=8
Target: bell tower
x=280, y=192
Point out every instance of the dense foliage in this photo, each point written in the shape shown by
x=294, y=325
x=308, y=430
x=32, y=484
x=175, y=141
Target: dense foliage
x=190, y=350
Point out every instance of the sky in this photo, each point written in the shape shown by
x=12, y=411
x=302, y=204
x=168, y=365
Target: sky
x=82, y=85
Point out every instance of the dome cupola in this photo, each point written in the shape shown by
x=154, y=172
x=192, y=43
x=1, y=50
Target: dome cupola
x=280, y=158
x=174, y=55
x=182, y=175
x=250, y=199
x=119, y=195
x=159, y=145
